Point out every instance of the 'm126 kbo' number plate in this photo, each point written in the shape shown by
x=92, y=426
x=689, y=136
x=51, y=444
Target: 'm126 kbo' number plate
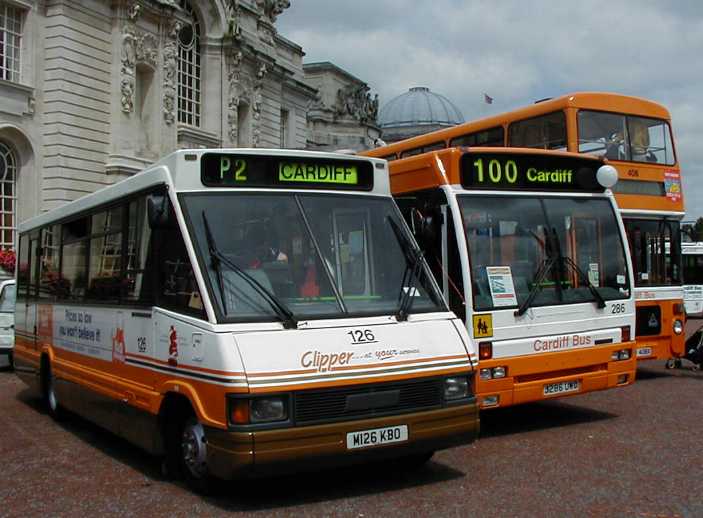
x=561, y=387
x=377, y=436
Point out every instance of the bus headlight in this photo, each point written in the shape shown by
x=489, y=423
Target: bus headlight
x=678, y=327
x=485, y=374
x=499, y=372
x=456, y=387
x=268, y=409
x=607, y=176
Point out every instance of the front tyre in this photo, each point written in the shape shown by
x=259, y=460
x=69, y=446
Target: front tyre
x=189, y=453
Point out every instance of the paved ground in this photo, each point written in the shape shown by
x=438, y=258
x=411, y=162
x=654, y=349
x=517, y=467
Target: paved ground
x=628, y=452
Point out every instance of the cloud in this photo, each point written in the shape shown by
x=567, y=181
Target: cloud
x=518, y=52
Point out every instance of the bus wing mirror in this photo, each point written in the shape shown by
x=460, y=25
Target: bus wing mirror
x=157, y=210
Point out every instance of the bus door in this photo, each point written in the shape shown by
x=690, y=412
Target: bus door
x=353, y=265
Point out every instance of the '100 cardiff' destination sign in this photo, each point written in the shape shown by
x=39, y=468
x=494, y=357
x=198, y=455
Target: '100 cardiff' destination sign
x=518, y=171
x=281, y=172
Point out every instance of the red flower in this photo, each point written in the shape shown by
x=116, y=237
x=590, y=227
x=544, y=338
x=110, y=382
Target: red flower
x=7, y=260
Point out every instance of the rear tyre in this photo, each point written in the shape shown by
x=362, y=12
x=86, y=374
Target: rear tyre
x=51, y=400
x=11, y=360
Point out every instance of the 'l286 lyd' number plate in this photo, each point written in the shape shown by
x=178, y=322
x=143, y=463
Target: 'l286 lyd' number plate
x=377, y=436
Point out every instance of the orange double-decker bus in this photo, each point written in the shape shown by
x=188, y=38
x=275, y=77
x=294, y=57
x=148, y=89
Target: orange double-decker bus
x=633, y=135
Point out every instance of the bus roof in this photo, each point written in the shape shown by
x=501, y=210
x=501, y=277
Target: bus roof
x=181, y=170
x=601, y=101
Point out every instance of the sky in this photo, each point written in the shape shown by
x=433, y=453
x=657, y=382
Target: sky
x=517, y=52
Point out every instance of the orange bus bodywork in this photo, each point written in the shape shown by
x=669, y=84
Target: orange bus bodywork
x=527, y=375
x=667, y=343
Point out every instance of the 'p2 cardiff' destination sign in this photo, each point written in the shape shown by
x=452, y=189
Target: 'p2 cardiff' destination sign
x=233, y=170
x=517, y=171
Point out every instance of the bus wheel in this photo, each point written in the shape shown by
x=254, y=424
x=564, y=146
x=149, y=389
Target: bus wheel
x=192, y=456
x=669, y=363
x=49, y=393
x=11, y=361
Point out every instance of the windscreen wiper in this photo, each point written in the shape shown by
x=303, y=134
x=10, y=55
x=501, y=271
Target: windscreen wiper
x=544, y=269
x=413, y=258
x=566, y=260
x=584, y=278
x=281, y=310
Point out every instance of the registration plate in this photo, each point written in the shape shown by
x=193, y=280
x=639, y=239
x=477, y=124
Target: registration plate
x=644, y=351
x=377, y=436
x=561, y=387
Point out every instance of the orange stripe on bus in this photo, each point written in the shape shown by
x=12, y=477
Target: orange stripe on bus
x=184, y=367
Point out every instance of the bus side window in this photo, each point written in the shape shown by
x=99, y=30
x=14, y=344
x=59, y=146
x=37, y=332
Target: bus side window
x=177, y=286
x=543, y=132
x=51, y=284
x=138, y=284
x=493, y=137
x=74, y=258
x=23, y=267
x=105, y=268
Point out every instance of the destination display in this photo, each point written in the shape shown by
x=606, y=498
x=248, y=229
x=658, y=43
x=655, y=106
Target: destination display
x=516, y=171
x=234, y=170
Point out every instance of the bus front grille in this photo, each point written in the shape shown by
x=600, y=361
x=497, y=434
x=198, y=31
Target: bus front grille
x=362, y=401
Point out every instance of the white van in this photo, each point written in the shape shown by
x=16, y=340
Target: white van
x=7, y=321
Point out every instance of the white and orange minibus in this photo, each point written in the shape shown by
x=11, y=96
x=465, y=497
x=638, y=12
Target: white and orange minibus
x=245, y=312
x=530, y=250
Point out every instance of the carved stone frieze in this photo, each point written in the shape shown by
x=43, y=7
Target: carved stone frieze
x=234, y=77
x=170, y=72
x=128, y=65
x=257, y=102
x=137, y=47
x=234, y=15
x=271, y=9
x=354, y=101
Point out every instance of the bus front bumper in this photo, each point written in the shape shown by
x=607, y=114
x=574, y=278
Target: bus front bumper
x=310, y=448
x=661, y=347
x=530, y=379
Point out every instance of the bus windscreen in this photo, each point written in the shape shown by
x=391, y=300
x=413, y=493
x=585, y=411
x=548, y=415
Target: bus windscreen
x=282, y=172
x=515, y=171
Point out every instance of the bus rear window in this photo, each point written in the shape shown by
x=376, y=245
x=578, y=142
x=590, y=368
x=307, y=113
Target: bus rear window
x=625, y=137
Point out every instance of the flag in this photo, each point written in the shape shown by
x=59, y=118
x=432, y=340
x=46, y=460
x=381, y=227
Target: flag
x=487, y=99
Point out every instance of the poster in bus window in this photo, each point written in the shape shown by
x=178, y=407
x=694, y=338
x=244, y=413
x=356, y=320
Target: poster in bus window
x=500, y=282
x=672, y=185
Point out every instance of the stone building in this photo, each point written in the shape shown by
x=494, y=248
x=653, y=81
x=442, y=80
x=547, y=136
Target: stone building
x=343, y=115
x=91, y=91
x=416, y=112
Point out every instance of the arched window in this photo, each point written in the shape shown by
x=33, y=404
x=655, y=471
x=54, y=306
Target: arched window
x=189, y=60
x=8, y=175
